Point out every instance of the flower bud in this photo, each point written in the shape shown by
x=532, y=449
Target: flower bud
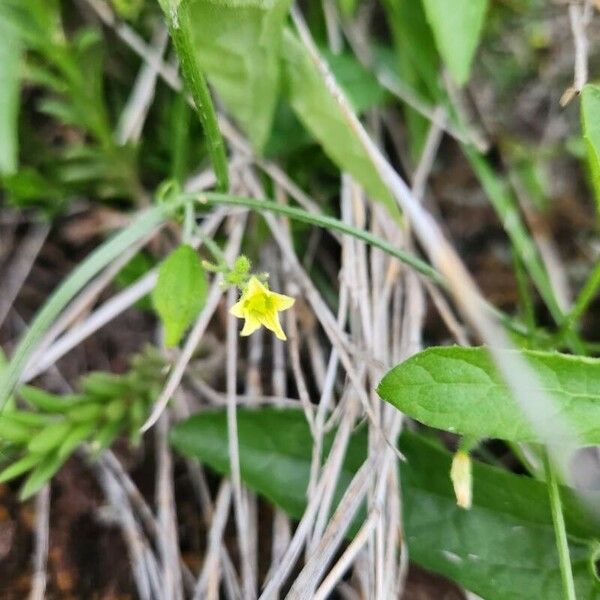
x=462, y=479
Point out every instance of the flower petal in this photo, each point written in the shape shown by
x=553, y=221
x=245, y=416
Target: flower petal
x=271, y=322
x=255, y=287
x=281, y=301
x=237, y=310
x=250, y=325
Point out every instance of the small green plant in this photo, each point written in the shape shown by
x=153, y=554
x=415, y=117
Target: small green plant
x=328, y=129
x=68, y=72
x=41, y=431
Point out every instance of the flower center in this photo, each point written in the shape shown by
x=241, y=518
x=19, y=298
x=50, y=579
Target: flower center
x=259, y=304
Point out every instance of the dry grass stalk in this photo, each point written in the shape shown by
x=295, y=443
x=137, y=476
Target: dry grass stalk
x=40, y=553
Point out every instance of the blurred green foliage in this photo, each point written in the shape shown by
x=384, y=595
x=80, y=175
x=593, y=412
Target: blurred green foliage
x=41, y=431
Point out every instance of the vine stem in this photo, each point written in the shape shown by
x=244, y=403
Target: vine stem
x=298, y=214
x=562, y=545
x=326, y=222
x=181, y=34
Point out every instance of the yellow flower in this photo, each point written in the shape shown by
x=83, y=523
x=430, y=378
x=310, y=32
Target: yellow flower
x=259, y=306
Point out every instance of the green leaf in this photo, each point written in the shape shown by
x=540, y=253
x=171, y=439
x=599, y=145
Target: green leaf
x=28, y=188
x=50, y=437
x=10, y=88
x=42, y=473
x=30, y=419
x=103, y=385
x=590, y=119
x=416, y=54
x=13, y=431
x=169, y=6
x=238, y=45
x=275, y=451
x=47, y=402
x=348, y=7
x=20, y=466
x=457, y=27
x=320, y=113
x=115, y=410
x=36, y=22
x=417, y=64
x=138, y=266
x=106, y=436
x=128, y=9
x=360, y=85
x=288, y=135
x=460, y=390
x=76, y=436
x=502, y=549
x=262, y=4
x=180, y=292
x=138, y=411
x=85, y=412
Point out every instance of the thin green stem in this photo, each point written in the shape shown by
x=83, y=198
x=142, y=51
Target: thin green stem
x=562, y=544
x=326, y=222
x=527, y=305
x=181, y=34
x=215, y=250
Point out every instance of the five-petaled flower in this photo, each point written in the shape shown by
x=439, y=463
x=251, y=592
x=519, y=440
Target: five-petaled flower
x=259, y=306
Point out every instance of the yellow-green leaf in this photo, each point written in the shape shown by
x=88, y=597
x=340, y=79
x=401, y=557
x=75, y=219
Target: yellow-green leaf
x=40, y=475
x=457, y=27
x=180, y=292
x=321, y=115
x=50, y=437
x=238, y=47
